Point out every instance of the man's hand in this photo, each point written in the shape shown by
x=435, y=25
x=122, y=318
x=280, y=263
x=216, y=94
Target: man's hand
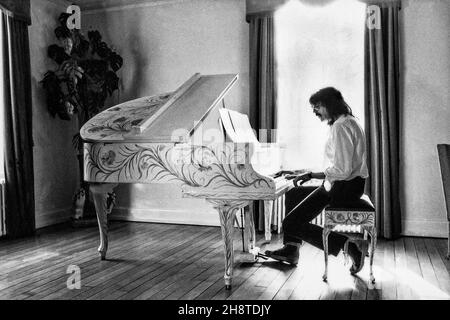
x=302, y=178
x=282, y=173
x=287, y=173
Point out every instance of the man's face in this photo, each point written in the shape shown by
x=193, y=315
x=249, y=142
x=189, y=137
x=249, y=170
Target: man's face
x=321, y=112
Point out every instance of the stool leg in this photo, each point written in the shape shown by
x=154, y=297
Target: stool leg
x=366, y=234
x=373, y=244
x=325, y=234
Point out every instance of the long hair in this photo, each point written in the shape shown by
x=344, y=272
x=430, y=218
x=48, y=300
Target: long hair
x=332, y=100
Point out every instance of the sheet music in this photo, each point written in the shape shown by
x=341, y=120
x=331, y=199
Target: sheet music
x=227, y=124
x=237, y=126
x=265, y=160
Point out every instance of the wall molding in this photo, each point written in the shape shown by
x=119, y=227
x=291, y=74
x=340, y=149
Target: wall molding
x=100, y=7
x=154, y=215
x=166, y=216
x=425, y=228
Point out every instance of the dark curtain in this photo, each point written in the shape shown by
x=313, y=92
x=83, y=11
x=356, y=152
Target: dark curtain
x=262, y=76
x=19, y=190
x=382, y=118
x=262, y=111
x=20, y=9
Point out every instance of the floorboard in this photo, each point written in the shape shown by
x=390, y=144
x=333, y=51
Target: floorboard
x=148, y=261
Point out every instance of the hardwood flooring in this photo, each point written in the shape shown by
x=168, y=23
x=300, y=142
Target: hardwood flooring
x=171, y=262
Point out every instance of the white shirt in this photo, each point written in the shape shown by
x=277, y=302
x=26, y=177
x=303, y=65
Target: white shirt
x=345, y=151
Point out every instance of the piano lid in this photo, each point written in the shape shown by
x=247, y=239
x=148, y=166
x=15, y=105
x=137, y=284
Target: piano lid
x=166, y=117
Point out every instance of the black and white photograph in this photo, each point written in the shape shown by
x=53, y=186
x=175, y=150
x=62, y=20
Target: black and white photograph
x=231, y=158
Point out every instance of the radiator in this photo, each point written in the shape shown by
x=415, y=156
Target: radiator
x=279, y=213
x=319, y=220
x=2, y=208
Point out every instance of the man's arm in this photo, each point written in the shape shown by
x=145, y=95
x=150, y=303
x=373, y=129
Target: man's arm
x=317, y=175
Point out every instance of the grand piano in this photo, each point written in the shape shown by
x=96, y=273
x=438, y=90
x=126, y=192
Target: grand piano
x=161, y=139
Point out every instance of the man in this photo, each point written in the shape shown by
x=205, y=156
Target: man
x=344, y=180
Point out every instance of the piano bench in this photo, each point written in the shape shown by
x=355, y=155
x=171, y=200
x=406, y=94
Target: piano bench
x=352, y=219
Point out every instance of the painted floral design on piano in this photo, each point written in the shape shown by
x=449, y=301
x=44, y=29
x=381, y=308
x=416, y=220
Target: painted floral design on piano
x=108, y=158
x=119, y=120
x=195, y=166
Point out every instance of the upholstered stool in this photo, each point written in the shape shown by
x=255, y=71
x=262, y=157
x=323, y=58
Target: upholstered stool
x=352, y=219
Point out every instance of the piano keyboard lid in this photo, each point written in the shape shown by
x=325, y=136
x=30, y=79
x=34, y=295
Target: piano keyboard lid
x=168, y=117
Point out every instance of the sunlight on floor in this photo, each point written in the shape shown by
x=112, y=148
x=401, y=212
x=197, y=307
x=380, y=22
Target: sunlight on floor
x=388, y=280
x=37, y=256
x=340, y=279
x=41, y=256
x=418, y=285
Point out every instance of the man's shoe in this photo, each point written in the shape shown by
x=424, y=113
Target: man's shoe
x=288, y=253
x=356, y=250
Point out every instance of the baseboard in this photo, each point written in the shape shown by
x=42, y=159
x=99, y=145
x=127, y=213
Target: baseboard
x=48, y=218
x=425, y=228
x=166, y=216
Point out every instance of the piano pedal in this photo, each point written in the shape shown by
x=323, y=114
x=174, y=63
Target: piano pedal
x=263, y=256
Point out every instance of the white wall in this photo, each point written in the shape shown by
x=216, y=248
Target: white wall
x=162, y=45
x=55, y=164
x=425, y=114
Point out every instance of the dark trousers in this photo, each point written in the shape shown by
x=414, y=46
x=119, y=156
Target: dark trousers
x=303, y=204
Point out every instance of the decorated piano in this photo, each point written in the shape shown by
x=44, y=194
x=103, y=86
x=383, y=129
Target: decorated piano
x=161, y=139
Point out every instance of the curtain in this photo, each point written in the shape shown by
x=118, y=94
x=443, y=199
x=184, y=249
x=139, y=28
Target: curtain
x=20, y=9
x=17, y=128
x=262, y=111
x=262, y=76
x=382, y=118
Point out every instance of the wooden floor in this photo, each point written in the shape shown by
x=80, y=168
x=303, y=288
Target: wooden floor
x=160, y=261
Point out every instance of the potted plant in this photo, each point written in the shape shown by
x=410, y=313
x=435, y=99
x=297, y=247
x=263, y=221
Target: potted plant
x=84, y=77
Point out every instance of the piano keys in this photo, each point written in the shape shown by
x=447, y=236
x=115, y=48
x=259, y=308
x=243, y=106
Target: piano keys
x=158, y=139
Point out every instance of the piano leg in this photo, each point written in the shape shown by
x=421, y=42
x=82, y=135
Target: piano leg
x=268, y=210
x=227, y=210
x=250, y=236
x=101, y=194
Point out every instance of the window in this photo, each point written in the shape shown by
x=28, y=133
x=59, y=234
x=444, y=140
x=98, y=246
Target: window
x=316, y=46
